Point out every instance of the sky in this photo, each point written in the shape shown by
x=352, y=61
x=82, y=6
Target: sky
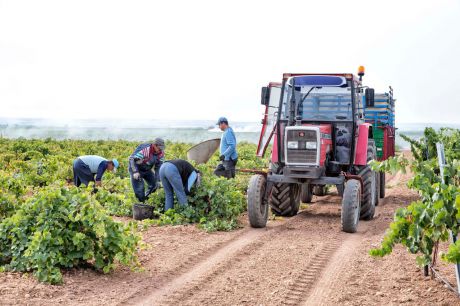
x=194, y=60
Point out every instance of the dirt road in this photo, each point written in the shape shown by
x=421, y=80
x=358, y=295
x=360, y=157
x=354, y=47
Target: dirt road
x=304, y=260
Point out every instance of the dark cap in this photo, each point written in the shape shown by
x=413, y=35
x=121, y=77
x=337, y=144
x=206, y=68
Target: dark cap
x=160, y=143
x=222, y=120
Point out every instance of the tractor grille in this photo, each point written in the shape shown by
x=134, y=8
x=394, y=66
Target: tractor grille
x=301, y=155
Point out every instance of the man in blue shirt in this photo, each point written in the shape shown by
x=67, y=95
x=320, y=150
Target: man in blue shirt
x=87, y=166
x=144, y=158
x=228, y=154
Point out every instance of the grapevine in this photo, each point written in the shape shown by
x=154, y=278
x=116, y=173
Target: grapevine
x=427, y=221
x=47, y=224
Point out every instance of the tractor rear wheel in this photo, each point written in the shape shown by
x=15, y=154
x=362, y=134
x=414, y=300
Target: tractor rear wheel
x=257, y=207
x=306, y=194
x=369, y=178
x=285, y=199
x=351, y=202
x=382, y=184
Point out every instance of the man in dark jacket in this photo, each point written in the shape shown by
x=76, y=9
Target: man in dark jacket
x=178, y=176
x=144, y=158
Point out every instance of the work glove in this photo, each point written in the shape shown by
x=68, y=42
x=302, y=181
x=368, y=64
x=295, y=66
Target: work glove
x=222, y=157
x=137, y=176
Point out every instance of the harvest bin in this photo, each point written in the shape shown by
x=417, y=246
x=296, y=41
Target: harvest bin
x=142, y=211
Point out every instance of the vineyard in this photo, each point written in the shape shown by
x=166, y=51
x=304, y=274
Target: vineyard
x=54, y=233
x=422, y=225
x=47, y=224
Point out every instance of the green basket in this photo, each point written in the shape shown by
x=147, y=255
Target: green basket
x=379, y=141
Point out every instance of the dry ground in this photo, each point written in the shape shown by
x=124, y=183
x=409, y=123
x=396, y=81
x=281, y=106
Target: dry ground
x=304, y=260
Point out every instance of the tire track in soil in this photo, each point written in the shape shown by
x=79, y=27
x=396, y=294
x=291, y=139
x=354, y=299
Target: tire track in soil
x=169, y=291
x=325, y=283
x=308, y=275
x=176, y=271
x=187, y=291
x=219, y=261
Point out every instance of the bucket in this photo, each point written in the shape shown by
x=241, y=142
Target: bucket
x=142, y=211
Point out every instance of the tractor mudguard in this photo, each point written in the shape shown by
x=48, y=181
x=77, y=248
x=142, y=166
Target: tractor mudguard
x=361, y=144
x=275, y=157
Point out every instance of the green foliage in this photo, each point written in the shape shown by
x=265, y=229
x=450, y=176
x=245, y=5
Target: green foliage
x=46, y=224
x=392, y=164
x=425, y=222
x=64, y=228
x=215, y=204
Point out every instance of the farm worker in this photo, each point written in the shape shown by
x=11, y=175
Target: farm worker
x=144, y=158
x=178, y=176
x=87, y=166
x=228, y=154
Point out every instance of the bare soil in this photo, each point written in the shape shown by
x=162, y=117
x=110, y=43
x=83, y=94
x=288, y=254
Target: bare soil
x=304, y=260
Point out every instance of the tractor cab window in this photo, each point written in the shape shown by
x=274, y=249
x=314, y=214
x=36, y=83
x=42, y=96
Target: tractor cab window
x=318, y=98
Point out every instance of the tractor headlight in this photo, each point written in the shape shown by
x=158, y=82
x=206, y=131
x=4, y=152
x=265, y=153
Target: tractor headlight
x=310, y=145
x=293, y=144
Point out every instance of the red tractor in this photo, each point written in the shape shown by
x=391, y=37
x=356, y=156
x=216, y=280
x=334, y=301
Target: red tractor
x=319, y=134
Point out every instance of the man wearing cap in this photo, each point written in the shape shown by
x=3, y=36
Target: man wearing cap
x=178, y=176
x=87, y=166
x=228, y=154
x=144, y=158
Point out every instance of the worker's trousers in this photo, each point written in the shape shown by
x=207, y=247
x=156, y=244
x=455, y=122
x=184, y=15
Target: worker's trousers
x=81, y=173
x=226, y=168
x=172, y=183
x=139, y=185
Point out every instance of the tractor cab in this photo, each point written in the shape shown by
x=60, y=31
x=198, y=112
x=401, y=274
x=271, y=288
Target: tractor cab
x=314, y=125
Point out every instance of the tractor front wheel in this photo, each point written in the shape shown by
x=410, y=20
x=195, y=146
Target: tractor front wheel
x=285, y=199
x=351, y=204
x=257, y=207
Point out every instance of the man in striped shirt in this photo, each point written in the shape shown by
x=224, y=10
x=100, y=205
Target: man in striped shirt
x=146, y=157
x=87, y=166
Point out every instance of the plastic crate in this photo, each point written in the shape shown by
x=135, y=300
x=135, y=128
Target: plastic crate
x=379, y=140
x=382, y=113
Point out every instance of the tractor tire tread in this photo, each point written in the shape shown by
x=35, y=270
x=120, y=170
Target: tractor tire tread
x=285, y=199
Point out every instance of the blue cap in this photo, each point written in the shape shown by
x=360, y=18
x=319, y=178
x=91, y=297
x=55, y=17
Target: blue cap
x=115, y=163
x=222, y=120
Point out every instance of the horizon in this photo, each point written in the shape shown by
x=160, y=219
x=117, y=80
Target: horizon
x=51, y=119
x=130, y=123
